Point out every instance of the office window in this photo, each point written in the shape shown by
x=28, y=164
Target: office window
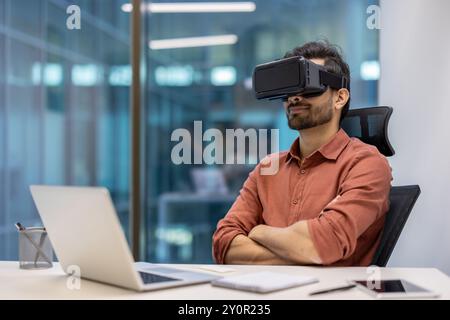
x=64, y=104
x=64, y=100
x=212, y=84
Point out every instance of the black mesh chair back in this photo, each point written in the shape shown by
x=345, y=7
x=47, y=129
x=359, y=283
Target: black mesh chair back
x=370, y=125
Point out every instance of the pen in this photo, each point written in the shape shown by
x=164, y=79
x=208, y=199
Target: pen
x=19, y=226
x=333, y=289
x=41, y=242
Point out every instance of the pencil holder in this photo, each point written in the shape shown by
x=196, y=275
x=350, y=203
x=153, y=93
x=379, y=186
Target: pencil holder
x=35, y=249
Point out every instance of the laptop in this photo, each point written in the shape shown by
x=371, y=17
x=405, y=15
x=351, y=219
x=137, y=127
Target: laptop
x=85, y=231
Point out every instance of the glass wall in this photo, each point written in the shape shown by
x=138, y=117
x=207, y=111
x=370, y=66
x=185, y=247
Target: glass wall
x=64, y=104
x=64, y=100
x=212, y=84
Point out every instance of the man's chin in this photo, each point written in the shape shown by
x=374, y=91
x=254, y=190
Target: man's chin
x=297, y=124
x=297, y=128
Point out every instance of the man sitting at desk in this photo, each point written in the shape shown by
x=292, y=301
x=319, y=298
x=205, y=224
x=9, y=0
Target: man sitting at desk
x=326, y=205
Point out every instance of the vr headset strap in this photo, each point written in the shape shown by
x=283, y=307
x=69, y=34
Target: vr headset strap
x=333, y=80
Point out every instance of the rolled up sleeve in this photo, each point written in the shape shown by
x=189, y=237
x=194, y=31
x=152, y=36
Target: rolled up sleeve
x=243, y=216
x=364, y=198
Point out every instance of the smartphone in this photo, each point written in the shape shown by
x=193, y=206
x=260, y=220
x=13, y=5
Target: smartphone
x=394, y=289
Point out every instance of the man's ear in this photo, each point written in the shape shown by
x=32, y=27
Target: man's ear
x=341, y=98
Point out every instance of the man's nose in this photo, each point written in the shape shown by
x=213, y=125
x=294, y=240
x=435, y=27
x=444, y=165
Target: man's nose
x=295, y=99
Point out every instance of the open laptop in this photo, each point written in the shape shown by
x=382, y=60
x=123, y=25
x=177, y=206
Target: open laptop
x=85, y=231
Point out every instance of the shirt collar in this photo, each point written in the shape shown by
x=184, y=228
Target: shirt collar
x=330, y=150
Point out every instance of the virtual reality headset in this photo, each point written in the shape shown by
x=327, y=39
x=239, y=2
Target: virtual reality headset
x=287, y=77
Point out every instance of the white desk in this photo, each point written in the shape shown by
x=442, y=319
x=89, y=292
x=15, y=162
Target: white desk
x=51, y=284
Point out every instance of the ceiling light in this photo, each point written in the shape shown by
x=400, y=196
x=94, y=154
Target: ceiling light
x=195, y=7
x=193, y=42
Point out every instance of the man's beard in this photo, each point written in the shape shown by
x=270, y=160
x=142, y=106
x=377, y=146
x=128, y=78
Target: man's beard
x=312, y=117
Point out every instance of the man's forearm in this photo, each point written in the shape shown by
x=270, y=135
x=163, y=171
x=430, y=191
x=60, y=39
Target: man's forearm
x=244, y=250
x=293, y=242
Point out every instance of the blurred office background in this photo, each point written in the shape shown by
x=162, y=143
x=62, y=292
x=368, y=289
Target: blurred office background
x=65, y=104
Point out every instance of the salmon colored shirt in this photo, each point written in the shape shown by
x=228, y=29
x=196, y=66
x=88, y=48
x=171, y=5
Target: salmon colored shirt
x=345, y=232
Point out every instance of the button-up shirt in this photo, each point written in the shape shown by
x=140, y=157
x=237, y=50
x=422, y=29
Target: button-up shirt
x=341, y=190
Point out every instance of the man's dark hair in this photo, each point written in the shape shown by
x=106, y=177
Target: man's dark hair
x=334, y=62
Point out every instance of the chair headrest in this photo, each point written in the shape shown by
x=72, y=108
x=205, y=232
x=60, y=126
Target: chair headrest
x=370, y=125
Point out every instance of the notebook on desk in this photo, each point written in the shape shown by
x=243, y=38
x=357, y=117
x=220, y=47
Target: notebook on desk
x=263, y=282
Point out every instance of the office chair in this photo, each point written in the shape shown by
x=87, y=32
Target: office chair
x=370, y=125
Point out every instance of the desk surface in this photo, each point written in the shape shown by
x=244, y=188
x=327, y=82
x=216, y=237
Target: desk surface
x=52, y=284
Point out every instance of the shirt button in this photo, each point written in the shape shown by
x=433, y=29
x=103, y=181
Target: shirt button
x=303, y=171
x=295, y=201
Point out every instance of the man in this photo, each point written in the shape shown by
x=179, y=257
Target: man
x=326, y=205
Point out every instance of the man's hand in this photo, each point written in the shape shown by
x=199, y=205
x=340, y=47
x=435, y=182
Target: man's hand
x=292, y=243
x=258, y=232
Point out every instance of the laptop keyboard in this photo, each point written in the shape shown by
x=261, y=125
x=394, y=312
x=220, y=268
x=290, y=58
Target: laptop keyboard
x=154, y=278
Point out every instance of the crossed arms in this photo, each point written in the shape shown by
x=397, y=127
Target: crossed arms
x=270, y=245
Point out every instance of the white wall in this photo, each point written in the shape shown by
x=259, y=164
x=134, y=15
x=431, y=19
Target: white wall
x=415, y=81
